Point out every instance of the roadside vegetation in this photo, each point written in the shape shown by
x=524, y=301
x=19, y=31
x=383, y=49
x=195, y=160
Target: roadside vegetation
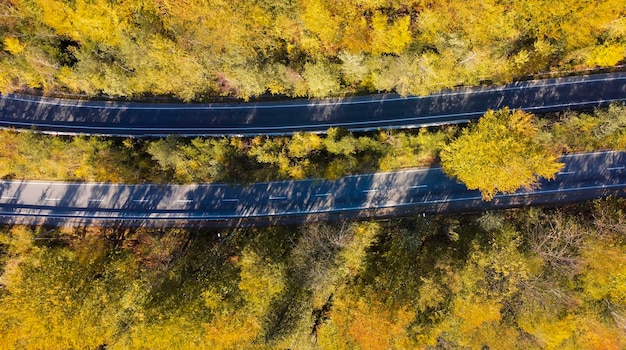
x=524, y=278
x=33, y=156
x=502, y=152
x=193, y=50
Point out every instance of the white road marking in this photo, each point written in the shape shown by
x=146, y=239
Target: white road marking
x=616, y=168
x=184, y=201
x=52, y=199
x=8, y=197
x=140, y=200
x=323, y=195
x=277, y=198
x=587, y=154
x=228, y=130
x=231, y=200
x=96, y=200
x=175, y=215
x=418, y=186
x=369, y=191
x=530, y=85
x=566, y=172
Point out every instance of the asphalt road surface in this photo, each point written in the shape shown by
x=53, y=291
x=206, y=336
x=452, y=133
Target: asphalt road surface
x=285, y=118
x=410, y=192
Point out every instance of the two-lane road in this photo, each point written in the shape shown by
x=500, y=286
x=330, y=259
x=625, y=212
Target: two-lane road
x=284, y=118
x=407, y=192
x=375, y=195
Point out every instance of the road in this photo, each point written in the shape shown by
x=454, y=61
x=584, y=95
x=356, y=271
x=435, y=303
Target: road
x=285, y=118
x=410, y=192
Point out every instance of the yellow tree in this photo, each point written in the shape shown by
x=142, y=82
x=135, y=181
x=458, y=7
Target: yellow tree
x=500, y=153
x=59, y=298
x=365, y=323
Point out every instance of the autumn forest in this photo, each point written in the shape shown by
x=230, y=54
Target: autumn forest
x=527, y=278
x=196, y=49
x=516, y=279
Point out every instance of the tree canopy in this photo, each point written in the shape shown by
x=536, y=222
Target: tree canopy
x=500, y=154
x=198, y=48
x=524, y=278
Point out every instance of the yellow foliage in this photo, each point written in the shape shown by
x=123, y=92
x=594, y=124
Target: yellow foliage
x=299, y=170
x=390, y=38
x=599, y=336
x=173, y=333
x=605, y=272
x=230, y=331
x=302, y=145
x=13, y=45
x=499, y=154
x=169, y=69
x=460, y=42
x=411, y=151
x=404, y=153
x=620, y=142
x=354, y=255
x=260, y=281
x=57, y=304
x=475, y=313
x=431, y=294
x=356, y=37
x=212, y=299
x=550, y=331
x=606, y=55
x=321, y=79
x=318, y=18
x=572, y=24
x=370, y=324
x=617, y=28
x=495, y=336
x=20, y=241
x=329, y=337
x=88, y=20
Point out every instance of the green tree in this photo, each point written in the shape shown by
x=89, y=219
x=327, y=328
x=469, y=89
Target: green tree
x=501, y=153
x=322, y=79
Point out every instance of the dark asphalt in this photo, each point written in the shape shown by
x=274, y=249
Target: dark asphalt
x=284, y=118
x=410, y=192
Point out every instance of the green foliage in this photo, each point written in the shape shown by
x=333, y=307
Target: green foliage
x=260, y=282
x=321, y=79
x=499, y=154
x=36, y=156
x=197, y=161
x=585, y=132
x=406, y=150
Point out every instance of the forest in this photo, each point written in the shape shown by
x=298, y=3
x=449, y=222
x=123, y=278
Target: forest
x=194, y=50
x=517, y=279
x=528, y=278
x=531, y=278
